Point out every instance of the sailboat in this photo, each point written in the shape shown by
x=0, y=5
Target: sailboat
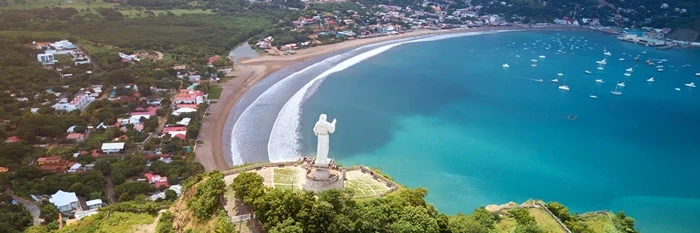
x=592, y=95
x=629, y=70
x=616, y=92
x=564, y=86
x=599, y=81
x=587, y=72
x=602, y=62
x=555, y=80
x=691, y=84
x=628, y=74
x=506, y=65
x=651, y=80
x=622, y=84
x=607, y=53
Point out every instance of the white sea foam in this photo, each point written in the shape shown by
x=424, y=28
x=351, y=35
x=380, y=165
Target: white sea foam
x=283, y=144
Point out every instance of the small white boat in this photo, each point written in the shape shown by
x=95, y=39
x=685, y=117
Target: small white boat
x=517, y=55
x=692, y=84
x=542, y=56
x=616, y=92
x=602, y=62
x=622, y=59
x=539, y=80
x=560, y=74
x=600, y=68
x=593, y=96
x=607, y=53
x=564, y=87
x=533, y=60
x=659, y=67
x=555, y=80
x=629, y=69
x=677, y=89
x=651, y=80
x=587, y=72
x=599, y=81
x=628, y=74
x=622, y=84
x=697, y=74
x=660, y=70
x=506, y=65
x=534, y=65
x=644, y=52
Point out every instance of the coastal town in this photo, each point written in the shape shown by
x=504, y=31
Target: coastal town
x=386, y=20
x=92, y=127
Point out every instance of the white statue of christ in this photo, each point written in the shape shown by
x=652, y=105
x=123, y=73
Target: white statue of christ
x=322, y=130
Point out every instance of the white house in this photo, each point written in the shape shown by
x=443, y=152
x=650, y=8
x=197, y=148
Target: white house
x=46, y=59
x=78, y=103
x=94, y=204
x=63, y=45
x=75, y=168
x=110, y=148
x=64, y=201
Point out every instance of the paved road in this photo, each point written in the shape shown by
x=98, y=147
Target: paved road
x=33, y=208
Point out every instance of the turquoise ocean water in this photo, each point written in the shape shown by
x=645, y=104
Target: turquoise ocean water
x=445, y=115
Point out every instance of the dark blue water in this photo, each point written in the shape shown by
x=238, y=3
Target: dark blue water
x=445, y=115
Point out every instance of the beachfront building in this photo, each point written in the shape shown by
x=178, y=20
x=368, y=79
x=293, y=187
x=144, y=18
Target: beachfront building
x=78, y=103
x=190, y=97
x=66, y=202
x=112, y=148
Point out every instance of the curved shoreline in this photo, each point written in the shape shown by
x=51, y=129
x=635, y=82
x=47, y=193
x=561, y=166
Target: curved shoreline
x=239, y=93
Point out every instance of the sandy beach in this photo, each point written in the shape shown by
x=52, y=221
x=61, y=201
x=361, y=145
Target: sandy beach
x=214, y=129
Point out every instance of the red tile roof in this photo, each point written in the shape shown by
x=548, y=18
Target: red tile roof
x=12, y=139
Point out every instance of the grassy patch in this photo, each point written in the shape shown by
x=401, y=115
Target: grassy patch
x=364, y=187
x=142, y=13
x=505, y=225
x=34, y=34
x=64, y=59
x=215, y=92
x=113, y=222
x=77, y=4
x=546, y=221
x=599, y=223
x=285, y=176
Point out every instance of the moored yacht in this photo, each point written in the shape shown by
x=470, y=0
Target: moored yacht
x=629, y=69
x=560, y=74
x=564, y=87
x=622, y=84
x=599, y=81
x=542, y=56
x=651, y=80
x=587, y=72
x=628, y=74
x=506, y=65
x=555, y=80
x=616, y=92
x=692, y=84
